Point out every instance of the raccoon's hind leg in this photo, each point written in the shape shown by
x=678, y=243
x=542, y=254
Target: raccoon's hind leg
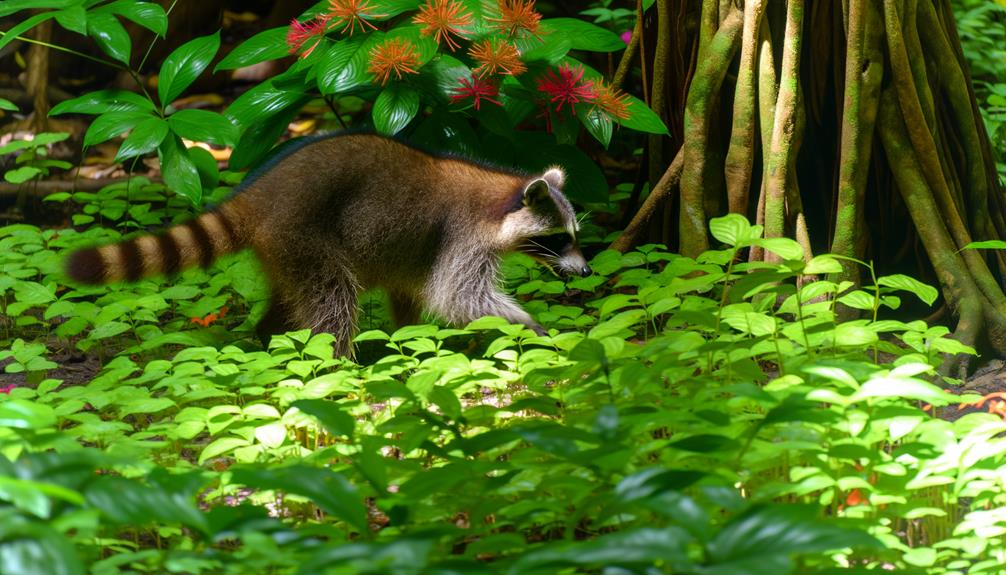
x=326, y=302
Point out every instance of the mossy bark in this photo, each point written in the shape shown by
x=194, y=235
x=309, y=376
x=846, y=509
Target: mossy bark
x=814, y=149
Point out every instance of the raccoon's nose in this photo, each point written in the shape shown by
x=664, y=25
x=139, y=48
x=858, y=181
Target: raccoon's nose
x=586, y=271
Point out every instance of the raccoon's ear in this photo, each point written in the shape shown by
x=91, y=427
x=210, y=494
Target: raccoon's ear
x=536, y=192
x=555, y=176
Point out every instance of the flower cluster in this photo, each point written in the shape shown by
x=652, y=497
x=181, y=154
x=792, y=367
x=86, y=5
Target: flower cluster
x=304, y=37
x=397, y=55
x=444, y=19
x=493, y=54
x=477, y=89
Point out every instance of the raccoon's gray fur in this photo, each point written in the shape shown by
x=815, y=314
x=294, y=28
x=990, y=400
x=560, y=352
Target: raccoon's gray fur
x=352, y=211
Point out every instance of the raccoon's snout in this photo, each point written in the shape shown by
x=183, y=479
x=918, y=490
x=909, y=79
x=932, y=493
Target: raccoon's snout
x=586, y=271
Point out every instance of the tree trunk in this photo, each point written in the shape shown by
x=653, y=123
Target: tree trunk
x=852, y=127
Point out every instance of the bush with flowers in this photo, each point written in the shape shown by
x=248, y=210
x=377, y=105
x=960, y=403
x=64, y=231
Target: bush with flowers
x=492, y=79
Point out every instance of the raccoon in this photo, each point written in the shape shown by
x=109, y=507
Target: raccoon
x=338, y=214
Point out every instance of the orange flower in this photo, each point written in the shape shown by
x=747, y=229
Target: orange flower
x=397, y=55
x=611, y=101
x=496, y=58
x=349, y=13
x=443, y=19
x=517, y=16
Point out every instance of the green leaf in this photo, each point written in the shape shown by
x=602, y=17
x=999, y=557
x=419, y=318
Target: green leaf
x=111, y=124
x=763, y=540
x=597, y=123
x=206, y=166
x=147, y=14
x=110, y=36
x=37, y=549
x=74, y=19
x=266, y=45
x=924, y=292
x=7, y=105
x=258, y=139
x=179, y=171
x=22, y=414
x=23, y=26
x=330, y=414
x=642, y=118
x=145, y=137
x=103, y=101
x=823, y=264
x=785, y=248
x=184, y=65
x=903, y=387
x=22, y=174
x=643, y=546
x=583, y=35
x=324, y=487
x=733, y=230
x=204, y=126
x=12, y=6
x=394, y=108
x=129, y=502
x=986, y=245
x=344, y=65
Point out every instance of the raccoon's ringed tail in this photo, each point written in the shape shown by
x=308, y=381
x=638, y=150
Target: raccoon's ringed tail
x=197, y=242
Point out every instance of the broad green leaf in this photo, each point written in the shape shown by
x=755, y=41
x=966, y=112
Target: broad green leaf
x=147, y=14
x=394, y=108
x=642, y=118
x=111, y=124
x=732, y=229
x=21, y=175
x=597, y=123
x=266, y=45
x=583, y=35
x=145, y=137
x=37, y=549
x=986, y=245
x=23, y=26
x=823, y=264
x=642, y=546
x=785, y=248
x=129, y=502
x=763, y=540
x=103, y=101
x=179, y=171
x=344, y=65
x=324, y=487
x=74, y=19
x=203, y=126
x=926, y=293
x=330, y=414
x=184, y=65
x=6, y=104
x=903, y=387
x=110, y=36
x=23, y=414
x=12, y=6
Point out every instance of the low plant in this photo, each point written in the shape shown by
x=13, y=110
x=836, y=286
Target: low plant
x=686, y=416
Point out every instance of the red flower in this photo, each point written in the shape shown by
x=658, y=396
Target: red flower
x=443, y=19
x=349, y=13
x=300, y=34
x=496, y=58
x=477, y=90
x=7, y=388
x=397, y=55
x=517, y=16
x=566, y=87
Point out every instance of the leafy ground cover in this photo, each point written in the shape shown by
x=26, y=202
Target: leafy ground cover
x=682, y=416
